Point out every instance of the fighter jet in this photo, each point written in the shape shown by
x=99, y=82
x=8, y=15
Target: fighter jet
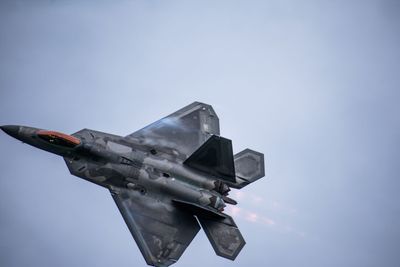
x=167, y=179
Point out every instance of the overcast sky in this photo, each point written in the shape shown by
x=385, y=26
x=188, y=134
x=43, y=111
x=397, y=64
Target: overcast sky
x=314, y=85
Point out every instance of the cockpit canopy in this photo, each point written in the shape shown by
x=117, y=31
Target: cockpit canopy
x=59, y=139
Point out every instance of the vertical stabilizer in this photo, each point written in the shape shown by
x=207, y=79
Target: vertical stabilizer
x=214, y=157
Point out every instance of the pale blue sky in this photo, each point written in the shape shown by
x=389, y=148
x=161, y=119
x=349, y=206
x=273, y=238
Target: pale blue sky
x=312, y=84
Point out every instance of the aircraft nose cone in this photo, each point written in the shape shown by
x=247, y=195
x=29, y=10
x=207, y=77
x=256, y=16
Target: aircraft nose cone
x=11, y=130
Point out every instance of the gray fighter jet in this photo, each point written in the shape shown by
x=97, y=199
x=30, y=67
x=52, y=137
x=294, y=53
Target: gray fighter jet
x=166, y=178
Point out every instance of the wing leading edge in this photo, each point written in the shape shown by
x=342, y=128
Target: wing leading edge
x=184, y=130
x=161, y=231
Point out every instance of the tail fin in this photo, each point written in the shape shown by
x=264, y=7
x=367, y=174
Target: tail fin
x=214, y=157
x=220, y=229
x=223, y=235
x=249, y=166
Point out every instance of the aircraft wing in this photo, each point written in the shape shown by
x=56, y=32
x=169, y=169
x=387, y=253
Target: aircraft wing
x=161, y=231
x=184, y=130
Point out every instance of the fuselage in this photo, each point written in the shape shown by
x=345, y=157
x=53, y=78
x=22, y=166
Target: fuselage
x=115, y=161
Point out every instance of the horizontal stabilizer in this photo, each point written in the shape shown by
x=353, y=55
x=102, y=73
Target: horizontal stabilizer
x=249, y=166
x=214, y=157
x=224, y=236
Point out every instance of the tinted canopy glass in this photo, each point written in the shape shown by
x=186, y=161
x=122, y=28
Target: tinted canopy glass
x=59, y=139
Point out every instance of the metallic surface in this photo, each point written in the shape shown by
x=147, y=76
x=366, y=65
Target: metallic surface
x=162, y=178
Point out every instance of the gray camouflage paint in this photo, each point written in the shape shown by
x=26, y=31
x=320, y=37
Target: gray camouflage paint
x=159, y=195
